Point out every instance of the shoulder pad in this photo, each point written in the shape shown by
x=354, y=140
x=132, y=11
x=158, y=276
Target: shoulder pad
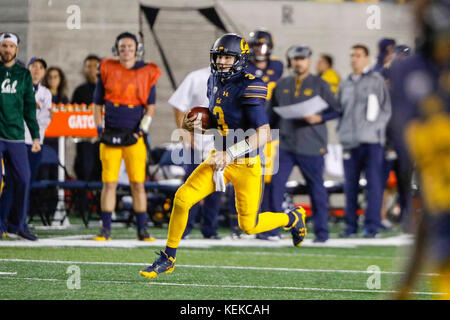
x=249, y=76
x=255, y=88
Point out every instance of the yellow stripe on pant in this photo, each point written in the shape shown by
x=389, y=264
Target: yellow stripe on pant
x=270, y=151
x=246, y=179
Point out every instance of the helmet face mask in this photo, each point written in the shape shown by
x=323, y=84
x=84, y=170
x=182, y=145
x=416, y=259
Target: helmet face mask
x=261, y=44
x=229, y=44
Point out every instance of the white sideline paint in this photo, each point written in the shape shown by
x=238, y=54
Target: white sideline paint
x=297, y=254
x=8, y=273
x=397, y=241
x=228, y=286
x=204, y=267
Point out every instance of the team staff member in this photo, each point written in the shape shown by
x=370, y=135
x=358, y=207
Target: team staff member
x=303, y=142
x=366, y=110
x=126, y=87
x=270, y=70
x=17, y=103
x=43, y=98
x=236, y=102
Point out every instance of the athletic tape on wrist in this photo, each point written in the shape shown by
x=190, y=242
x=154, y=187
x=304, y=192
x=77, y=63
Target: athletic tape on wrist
x=239, y=149
x=145, y=123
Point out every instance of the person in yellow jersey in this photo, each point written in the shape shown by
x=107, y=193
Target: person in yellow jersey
x=126, y=87
x=236, y=106
x=325, y=70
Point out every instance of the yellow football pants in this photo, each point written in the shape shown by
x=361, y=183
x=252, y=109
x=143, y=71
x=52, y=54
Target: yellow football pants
x=135, y=157
x=270, y=151
x=441, y=283
x=247, y=181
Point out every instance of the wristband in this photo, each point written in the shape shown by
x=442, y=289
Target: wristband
x=239, y=149
x=145, y=123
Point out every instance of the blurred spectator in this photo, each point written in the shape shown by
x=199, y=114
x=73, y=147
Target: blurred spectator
x=55, y=80
x=303, y=142
x=192, y=93
x=87, y=164
x=366, y=109
x=84, y=93
x=385, y=51
x=394, y=158
x=43, y=98
x=44, y=111
x=325, y=70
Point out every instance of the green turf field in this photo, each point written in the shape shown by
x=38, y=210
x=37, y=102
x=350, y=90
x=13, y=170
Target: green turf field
x=201, y=273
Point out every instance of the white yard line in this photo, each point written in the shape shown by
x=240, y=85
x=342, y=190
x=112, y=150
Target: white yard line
x=205, y=267
x=228, y=286
x=287, y=254
x=398, y=241
x=8, y=273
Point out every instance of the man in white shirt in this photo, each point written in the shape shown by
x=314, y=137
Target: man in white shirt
x=192, y=93
x=43, y=96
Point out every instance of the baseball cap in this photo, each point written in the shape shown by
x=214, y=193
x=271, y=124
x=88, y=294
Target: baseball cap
x=34, y=59
x=299, y=52
x=7, y=36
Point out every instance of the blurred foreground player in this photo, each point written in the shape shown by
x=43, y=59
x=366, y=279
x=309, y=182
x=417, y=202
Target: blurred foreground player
x=421, y=92
x=17, y=104
x=127, y=89
x=236, y=104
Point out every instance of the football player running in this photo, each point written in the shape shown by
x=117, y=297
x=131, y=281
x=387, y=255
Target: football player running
x=236, y=105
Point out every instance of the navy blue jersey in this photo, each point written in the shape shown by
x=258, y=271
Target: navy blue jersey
x=421, y=115
x=270, y=75
x=235, y=106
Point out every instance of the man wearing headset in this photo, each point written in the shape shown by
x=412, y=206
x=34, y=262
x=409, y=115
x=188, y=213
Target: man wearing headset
x=17, y=104
x=126, y=88
x=303, y=142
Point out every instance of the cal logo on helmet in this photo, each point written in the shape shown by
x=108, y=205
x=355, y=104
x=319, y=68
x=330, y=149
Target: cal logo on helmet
x=244, y=46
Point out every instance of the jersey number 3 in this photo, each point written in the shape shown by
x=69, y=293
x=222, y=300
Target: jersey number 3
x=222, y=126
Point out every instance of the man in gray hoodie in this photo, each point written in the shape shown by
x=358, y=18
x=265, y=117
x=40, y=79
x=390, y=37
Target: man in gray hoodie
x=366, y=109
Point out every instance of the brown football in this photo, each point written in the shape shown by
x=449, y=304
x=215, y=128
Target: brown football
x=204, y=115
